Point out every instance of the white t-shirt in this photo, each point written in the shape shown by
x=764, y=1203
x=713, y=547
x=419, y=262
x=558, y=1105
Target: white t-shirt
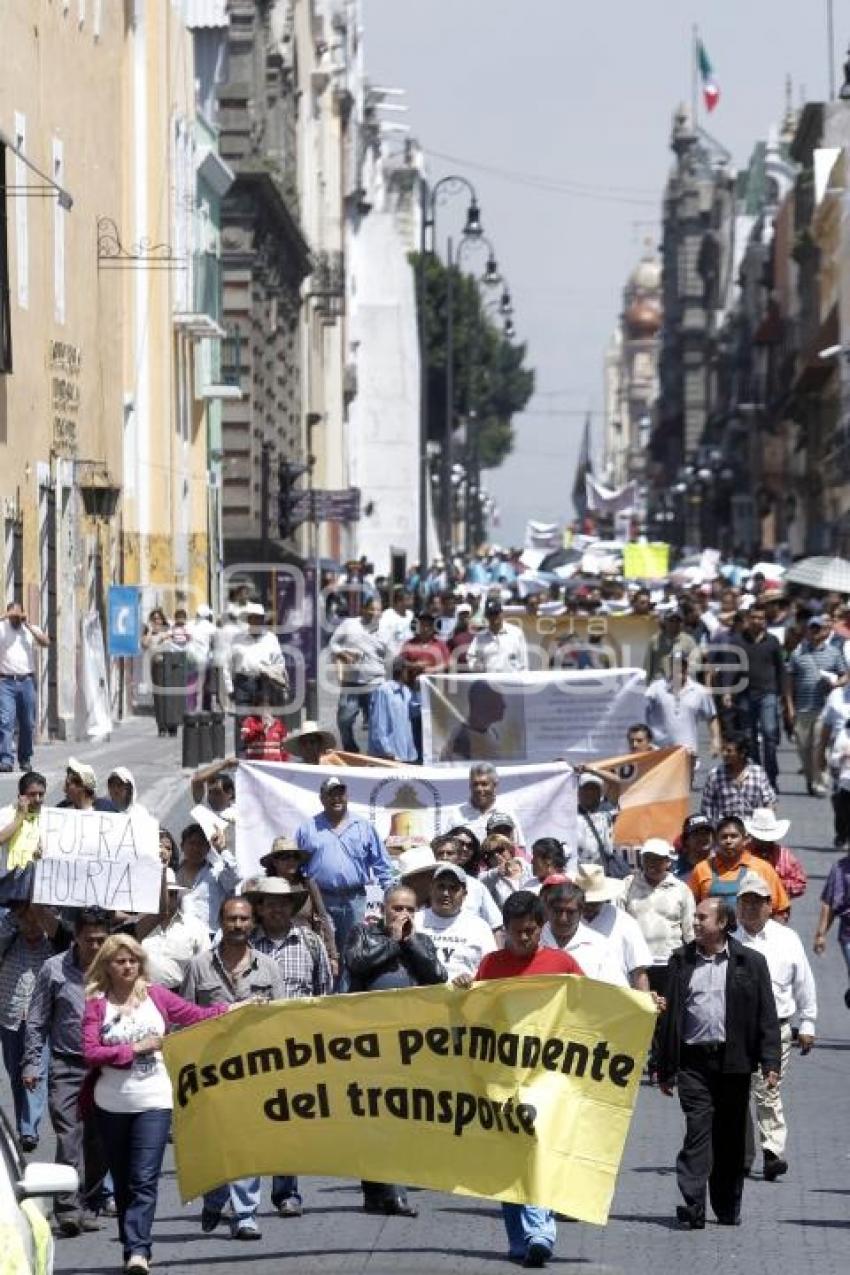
x=591, y=951
x=675, y=715
x=461, y=941
x=394, y=629
x=17, y=650
x=145, y=1085
x=626, y=944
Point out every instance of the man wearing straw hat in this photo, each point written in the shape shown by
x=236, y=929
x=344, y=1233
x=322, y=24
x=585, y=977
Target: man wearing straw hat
x=310, y=742
x=626, y=943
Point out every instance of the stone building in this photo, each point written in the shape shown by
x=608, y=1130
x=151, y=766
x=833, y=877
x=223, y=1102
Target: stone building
x=265, y=258
x=631, y=374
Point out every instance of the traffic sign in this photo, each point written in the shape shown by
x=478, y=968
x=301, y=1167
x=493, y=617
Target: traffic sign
x=125, y=628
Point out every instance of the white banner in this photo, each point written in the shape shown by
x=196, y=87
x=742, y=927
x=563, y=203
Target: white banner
x=98, y=859
x=609, y=500
x=530, y=717
x=274, y=798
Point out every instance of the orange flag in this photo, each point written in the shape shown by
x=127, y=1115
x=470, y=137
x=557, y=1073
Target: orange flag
x=656, y=798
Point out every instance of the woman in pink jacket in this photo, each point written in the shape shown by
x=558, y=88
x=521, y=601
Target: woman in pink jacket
x=124, y=1024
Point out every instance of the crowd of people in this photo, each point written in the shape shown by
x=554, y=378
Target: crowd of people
x=703, y=924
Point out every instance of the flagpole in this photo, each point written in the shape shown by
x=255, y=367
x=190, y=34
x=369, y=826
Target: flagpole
x=694, y=76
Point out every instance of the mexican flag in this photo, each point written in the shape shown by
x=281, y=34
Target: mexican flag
x=710, y=87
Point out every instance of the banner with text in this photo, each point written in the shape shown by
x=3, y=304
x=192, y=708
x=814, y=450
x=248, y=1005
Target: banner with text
x=587, y=641
x=418, y=802
x=531, y=717
x=520, y=1090
x=97, y=858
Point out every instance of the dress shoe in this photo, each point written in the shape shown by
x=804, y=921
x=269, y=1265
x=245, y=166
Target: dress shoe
x=69, y=1226
x=290, y=1207
x=537, y=1255
x=28, y=1143
x=688, y=1220
x=774, y=1166
x=210, y=1219
x=847, y=998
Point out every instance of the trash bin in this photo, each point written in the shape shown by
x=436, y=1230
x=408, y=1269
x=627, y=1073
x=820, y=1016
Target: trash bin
x=219, y=739
x=168, y=682
x=191, y=742
x=205, y=748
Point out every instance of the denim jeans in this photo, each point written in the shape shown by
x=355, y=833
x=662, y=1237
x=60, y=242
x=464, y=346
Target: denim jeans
x=845, y=951
x=760, y=717
x=134, y=1143
x=17, y=707
x=284, y=1187
x=244, y=1197
x=352, y=702
x=345, y=911
x=527, y=1224
x=29, y=1103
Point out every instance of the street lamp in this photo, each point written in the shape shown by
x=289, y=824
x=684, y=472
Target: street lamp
x=431, y=198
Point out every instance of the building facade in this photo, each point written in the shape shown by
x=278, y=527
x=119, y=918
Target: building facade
x=631, y=374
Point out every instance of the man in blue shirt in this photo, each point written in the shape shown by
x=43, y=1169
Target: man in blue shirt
x=390, y=731
x=344, y=854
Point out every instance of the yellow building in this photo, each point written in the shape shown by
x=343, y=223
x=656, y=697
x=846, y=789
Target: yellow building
x=106, y=329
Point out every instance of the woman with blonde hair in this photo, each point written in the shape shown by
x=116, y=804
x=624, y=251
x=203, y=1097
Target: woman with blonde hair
x=125, y=1020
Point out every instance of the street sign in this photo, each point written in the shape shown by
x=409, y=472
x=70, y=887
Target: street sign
x=125, y=628
x=319, y=504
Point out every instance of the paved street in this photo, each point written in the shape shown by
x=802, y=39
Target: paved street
x=800, y=1223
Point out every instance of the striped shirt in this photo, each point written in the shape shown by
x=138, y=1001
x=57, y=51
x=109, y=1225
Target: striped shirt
x=805, y=667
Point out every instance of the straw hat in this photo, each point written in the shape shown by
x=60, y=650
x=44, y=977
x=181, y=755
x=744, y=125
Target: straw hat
x=417, y=859
x=310, y=728
x=597, y=887
x=281, y=846
x=763, y=825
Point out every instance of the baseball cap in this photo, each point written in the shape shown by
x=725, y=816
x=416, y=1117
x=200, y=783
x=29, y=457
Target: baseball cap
x=586, y=778
x=450, y=870
x=556, y=878
x=752, y=883
x=498, y=819
x=330, y=784
x=818, y=621
x=659, y=847
x=693, y=823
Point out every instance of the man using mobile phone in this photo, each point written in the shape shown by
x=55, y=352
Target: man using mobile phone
x=18, y=642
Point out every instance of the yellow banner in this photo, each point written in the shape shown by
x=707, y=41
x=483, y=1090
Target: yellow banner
x=646, y=561
x=520, y=1089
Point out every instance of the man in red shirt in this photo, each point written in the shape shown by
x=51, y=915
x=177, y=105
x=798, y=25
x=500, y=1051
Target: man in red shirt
x=531, y=1230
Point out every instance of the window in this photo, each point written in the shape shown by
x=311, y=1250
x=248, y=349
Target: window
x=5, y=309
x=59, y=215
x=22, y=252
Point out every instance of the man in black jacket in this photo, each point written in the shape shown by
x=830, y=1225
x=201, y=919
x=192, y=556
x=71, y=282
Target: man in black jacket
x=380, y=957
x=719, y=1026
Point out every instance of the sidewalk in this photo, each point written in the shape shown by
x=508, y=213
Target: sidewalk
x=161, y=784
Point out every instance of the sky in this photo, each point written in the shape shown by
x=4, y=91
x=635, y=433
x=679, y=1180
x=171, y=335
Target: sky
x=559, y=112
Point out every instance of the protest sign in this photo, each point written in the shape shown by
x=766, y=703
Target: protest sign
x=418, y=802
x=587, y=641
x=655, y=797
x=520, y=1089
x=531, y=717
x=98, y=858
x=646, y=561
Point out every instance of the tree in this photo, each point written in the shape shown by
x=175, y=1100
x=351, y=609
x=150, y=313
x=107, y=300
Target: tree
x=491, y=381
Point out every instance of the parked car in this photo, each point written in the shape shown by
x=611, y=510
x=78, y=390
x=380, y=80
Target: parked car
x=25, y=1235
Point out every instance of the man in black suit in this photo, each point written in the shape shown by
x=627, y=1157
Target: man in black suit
x=719, y=1026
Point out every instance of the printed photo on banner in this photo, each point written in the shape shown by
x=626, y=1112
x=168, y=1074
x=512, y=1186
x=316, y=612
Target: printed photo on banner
x=412, y=804
x=98, y=858
x=520, y=1091
x=529, y=717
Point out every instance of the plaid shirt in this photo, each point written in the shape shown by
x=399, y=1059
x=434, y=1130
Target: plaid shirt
x=724, y=795
x=302, y=960
x=19, y=965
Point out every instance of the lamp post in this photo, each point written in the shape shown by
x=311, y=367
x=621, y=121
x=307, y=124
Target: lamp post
x=430, y=198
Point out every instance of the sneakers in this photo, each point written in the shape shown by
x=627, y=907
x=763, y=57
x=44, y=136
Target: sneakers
x=290, y=1207
x=247, y=1231
x=136, y=1264
x=537, y=1255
